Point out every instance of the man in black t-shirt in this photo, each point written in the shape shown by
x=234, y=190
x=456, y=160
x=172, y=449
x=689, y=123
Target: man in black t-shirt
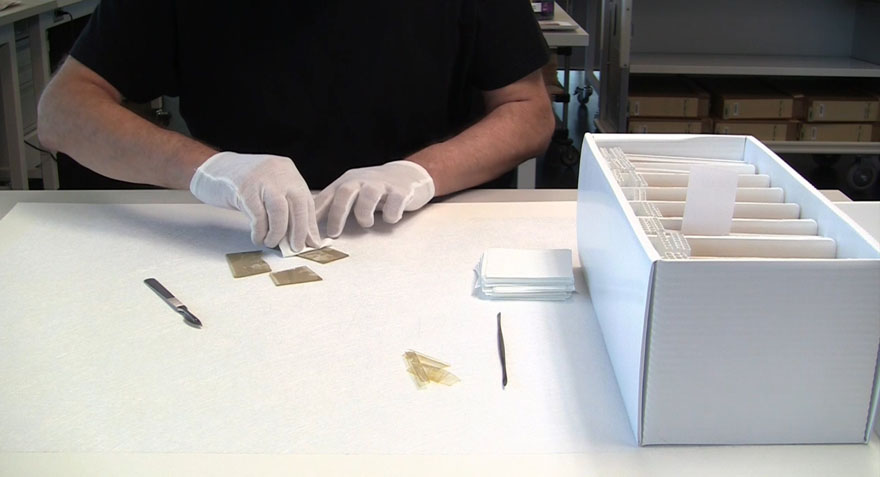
x=380, y=104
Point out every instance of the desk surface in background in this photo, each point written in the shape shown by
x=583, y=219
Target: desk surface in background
x=576, y=37
x=601, y=442
x=28, y=8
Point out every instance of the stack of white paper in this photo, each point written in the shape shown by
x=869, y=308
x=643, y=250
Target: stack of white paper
x=520, y=274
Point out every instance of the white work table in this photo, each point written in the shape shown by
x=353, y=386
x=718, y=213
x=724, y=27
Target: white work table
x=102, y=378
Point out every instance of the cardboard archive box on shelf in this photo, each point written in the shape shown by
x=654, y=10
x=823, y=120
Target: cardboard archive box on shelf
x=666, y=97
x=743, y=98
x=827, y=101
x=841, y=109
x=842, y=132
x=763, y=130
x=669, y=125
x=731, y=351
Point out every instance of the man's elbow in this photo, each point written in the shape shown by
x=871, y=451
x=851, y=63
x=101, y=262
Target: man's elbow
x=47, y=121
x=544, y=126
x=69, y=101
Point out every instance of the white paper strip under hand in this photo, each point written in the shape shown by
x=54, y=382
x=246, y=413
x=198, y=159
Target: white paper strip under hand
x=287, y=251
x=711, y=196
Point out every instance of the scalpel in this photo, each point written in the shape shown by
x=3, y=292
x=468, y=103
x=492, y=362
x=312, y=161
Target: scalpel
x=173, y=302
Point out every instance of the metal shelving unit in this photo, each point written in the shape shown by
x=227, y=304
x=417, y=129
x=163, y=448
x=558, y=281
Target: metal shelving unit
x=753, y=65
x=24, y=54
x=812, y=38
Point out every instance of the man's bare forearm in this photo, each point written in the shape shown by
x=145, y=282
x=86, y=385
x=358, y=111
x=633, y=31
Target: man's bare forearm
x=518, y=128
x=80, y=114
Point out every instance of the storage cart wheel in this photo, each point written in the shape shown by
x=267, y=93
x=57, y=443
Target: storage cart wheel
x=862, y=175
x=583, y=94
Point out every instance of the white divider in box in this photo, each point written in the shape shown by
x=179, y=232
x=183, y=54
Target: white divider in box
x=759, y=246
x=686, y=167
x=742, y=210
x=679, y=194
x=678, y=159
x=680, y=179
x=756, y=226
x=731, y=350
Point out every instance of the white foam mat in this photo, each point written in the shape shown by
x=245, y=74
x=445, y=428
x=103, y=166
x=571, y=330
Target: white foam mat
x=91, y=360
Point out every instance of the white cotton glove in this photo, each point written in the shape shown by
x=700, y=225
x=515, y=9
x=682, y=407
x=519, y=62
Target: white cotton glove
x=395, y=187
x=269, y=189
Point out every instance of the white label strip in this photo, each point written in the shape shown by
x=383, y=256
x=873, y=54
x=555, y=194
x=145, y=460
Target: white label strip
x=711, y=196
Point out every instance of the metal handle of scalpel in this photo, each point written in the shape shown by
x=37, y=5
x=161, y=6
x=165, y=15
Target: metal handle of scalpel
x=173, y=302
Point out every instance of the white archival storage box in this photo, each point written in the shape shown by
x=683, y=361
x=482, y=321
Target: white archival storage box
x=731, y=350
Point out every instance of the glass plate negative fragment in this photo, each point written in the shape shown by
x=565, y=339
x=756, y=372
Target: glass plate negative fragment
x=323, y=255
x=424, y=370
x=294, y=276
x=440, y=376
x=415, y=368
x=245, y=264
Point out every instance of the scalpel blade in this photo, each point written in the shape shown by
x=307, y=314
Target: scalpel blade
x=173, y=302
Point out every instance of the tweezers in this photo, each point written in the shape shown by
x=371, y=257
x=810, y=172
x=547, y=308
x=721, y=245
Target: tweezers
x=501, y=354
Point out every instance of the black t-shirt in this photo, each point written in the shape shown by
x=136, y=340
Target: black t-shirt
x=334, y=85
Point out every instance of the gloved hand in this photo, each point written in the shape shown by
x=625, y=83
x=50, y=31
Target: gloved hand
x=395, y=187
x=269, y=189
